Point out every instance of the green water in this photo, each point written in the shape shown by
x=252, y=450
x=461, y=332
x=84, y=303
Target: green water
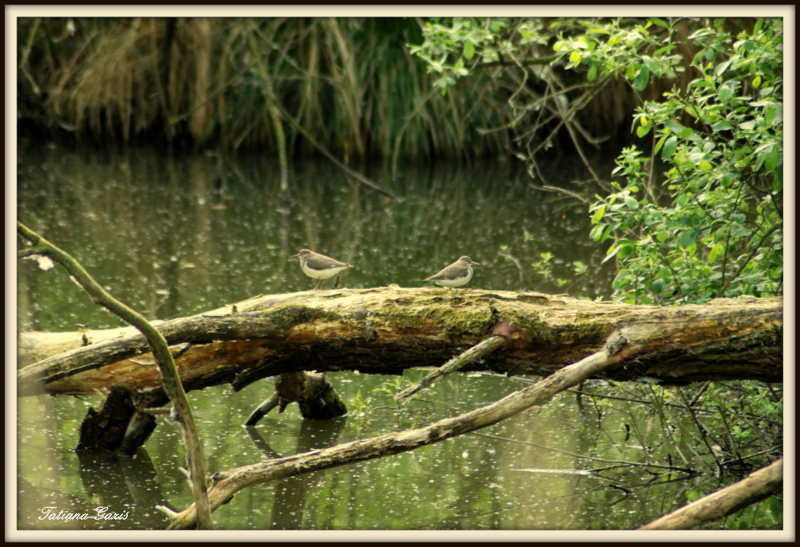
x=174, y=236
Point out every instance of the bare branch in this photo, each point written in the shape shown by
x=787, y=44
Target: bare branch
x=169, y=372
x=756, y=487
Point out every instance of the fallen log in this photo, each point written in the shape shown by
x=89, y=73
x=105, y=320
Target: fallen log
x=387, y=330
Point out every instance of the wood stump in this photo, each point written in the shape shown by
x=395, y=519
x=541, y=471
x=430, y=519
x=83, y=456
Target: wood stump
x=118, y=425
x=310, y=390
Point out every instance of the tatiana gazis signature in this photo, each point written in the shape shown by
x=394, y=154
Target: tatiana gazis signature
x=100, y=513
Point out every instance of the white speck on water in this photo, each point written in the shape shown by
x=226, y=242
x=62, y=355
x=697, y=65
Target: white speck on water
x=45, y=262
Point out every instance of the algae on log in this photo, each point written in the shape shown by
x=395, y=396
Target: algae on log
x=386, y=330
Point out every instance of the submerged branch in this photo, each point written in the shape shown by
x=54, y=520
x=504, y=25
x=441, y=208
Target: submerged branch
x=616, y=463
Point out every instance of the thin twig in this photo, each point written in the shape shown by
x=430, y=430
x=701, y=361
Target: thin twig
x=590, y=458
x=475, y=352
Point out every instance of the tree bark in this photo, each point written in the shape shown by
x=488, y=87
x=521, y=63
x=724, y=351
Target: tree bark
x=386, y=330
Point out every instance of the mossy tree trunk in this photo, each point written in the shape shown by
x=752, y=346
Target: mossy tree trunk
x=387, y=330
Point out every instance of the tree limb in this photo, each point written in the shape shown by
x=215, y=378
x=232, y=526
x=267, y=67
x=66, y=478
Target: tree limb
x=755, y=487
x=386, y=330
x=171, y=379
x=454, y=364
x=230, y=482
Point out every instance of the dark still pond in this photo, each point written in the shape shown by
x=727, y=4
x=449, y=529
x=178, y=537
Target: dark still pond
x=175, y=236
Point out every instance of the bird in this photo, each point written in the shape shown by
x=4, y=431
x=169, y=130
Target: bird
x=319, y=266
x=456, y=274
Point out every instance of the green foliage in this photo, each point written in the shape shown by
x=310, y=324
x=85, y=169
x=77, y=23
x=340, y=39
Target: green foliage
x=394, y=385
x=751, y=414
x=612, y=48
x=714, y=228
x=545, y=268
x=452, y=46
x=360, y=404
x=764, y=515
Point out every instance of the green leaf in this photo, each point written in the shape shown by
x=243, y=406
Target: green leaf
x=642, y=79
x=722, y=67
x=664, y=49
x=598, y=214
x=757, y=80
x=625, y=250
x=621, y=280
x=631, y=202
x=688, y=238
x=660, y=143
x=669, y=147
x=592, y=75
x=721, y=125
x=612, y=252
x=772, y=159
x=469, y=49
x=575, y=58
x=716, y=250
x=725, y=94
x=643, y=130
x=597, y=232
x=657, y=21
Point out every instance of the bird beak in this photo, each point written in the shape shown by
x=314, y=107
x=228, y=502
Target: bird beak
x=294, y=257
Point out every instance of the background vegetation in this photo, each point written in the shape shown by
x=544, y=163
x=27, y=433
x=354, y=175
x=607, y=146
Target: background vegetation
x=350, y=83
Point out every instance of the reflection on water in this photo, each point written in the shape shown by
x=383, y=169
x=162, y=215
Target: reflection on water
x=177, y=236
x=482, y=481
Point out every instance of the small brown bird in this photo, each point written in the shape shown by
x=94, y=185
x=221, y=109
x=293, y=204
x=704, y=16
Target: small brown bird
x=319, y=266
x=456, y=274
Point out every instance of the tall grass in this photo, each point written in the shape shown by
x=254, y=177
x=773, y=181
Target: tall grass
x=350, y=82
